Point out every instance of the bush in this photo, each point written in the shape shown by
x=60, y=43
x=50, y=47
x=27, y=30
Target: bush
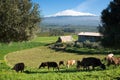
x=79, y=45
x=96, y=45
x=88, y=44
x=58, y=46
x=76, y=45
x=70, y=44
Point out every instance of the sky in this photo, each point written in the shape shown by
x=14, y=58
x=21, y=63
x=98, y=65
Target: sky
x=49, y=7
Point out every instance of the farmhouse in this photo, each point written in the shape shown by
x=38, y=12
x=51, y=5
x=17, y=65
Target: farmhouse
x=65, y=39
x=91, y=36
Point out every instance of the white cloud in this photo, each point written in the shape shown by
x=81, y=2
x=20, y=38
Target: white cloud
x=70, y=12
x=85, y=8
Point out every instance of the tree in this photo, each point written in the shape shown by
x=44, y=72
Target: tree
x=56, y=32
x=110, y=28
x=69, y=30
x=19, y=20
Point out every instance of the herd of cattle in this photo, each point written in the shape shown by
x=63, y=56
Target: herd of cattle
x=85, y=63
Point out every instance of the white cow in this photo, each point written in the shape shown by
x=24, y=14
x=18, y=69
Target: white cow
x=109, y=56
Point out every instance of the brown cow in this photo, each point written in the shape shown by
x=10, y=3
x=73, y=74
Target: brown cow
x=19, y=67
x=114, y=60
x=70, y=62
x=91, y=61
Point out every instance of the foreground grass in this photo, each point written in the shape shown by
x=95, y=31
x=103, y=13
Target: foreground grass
x=32, y=57
x=70, y=74
x=50, y=75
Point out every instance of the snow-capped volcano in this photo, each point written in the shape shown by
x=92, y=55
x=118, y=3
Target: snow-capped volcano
x=70, y=13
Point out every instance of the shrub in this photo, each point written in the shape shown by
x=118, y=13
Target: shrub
x=58, y=46
x=70, y=44
x=79, y=45
x=87, y=44
x=96, y=45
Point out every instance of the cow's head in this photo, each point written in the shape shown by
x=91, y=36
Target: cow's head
x=103, y=66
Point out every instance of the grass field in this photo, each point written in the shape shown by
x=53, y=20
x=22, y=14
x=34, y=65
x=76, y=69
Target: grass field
x=34, y=52
x=33, y=57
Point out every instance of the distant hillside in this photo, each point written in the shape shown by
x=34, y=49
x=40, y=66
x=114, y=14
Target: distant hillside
x=83, y=23
x=72, y=20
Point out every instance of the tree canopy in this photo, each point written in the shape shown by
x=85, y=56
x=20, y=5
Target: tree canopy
x=19, y=20
x=110, y=27
x=56, y=32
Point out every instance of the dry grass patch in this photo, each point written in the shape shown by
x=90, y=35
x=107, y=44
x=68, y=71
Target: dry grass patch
x=33, y=57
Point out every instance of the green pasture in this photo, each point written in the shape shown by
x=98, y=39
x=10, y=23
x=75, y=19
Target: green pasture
x=34, y=52
x=39, y=41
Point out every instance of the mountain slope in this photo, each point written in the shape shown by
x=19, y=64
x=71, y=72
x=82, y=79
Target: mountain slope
x=72, y=20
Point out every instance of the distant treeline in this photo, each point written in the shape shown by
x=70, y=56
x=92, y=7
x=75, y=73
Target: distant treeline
x=56, y=30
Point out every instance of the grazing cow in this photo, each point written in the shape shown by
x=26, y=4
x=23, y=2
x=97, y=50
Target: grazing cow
x=109, y=56
x=78, y=64
x=52, y=64
x=114, y=60
x=91, y=61
x=19, y=67
x=70, y=62
x=43, y=64
x=49, y=64
x=61, y=63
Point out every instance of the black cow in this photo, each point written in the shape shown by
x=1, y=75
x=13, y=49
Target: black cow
x=19, y=67
x=78, y=64
x=50, y=64
x=61, y=63
x=91, y=61
x=43, y=64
